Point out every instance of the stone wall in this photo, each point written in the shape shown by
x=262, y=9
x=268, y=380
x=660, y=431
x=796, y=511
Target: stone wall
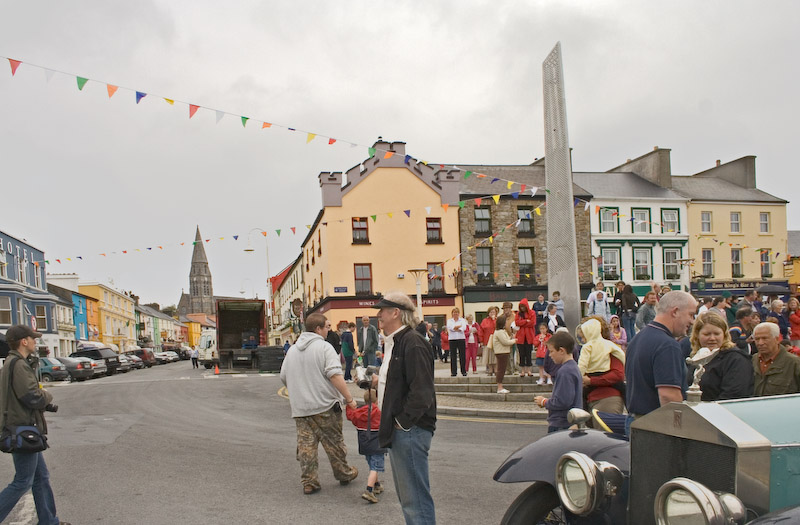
x=504, y=246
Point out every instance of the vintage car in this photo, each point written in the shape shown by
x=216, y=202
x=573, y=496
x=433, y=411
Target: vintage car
x=727, y=462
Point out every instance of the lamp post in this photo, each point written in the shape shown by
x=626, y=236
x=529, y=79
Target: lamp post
x=269, y=282
x=418, y=273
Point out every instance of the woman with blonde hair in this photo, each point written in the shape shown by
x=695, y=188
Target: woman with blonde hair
x=729, y=375
x=502, y=341
x=602, y=365
x=487, y=329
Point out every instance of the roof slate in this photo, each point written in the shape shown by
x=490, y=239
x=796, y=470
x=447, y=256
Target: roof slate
x=531, y=176
x=794, y=243
x=622, y=185
x=716, y=189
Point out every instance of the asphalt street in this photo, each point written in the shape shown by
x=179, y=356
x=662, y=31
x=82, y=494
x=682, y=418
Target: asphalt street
x=176, y=445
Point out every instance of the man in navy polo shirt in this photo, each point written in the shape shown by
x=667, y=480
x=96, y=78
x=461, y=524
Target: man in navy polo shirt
x=654, y=364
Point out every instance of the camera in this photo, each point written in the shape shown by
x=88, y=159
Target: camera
x=51, y=408
x=364, y=376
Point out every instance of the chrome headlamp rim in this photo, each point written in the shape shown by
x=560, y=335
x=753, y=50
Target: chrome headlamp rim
x=589, y=470
x=717, y=509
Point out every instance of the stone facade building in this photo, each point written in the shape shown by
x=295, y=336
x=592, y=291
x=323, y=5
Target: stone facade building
x=511, y=262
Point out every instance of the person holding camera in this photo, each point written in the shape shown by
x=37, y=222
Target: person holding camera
x=23, y=403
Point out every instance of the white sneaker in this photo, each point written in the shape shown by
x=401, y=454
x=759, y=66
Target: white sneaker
x=540, y=381
x=549, y=381
x=503, y=391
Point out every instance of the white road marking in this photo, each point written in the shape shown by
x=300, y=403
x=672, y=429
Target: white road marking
x=25, y=511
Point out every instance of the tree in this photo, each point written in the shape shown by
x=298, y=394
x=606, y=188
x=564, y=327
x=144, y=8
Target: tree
x=170, y=310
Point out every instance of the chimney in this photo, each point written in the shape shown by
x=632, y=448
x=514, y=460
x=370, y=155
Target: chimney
x=450, y=182
x=741, y=172
x=718, y=163
x=331, y=185
x=654, y=167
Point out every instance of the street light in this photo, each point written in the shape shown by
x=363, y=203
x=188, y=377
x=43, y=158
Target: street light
x=269, y=282
x=418, y=273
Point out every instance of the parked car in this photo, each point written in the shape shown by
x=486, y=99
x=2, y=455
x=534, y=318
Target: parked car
x=161, y=358
x=124, y=363
x=51, y=369
x=725, y=462
x=136, y=362
x=110, y=357
x=145, y=354
x=173, y=356
x=98, y=366
x=79, y=368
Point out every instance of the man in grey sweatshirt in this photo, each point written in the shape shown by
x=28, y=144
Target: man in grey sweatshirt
x=312, y=373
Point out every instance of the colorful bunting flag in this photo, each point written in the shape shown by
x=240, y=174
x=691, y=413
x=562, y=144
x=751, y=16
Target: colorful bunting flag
x=140, y=96
x=371, y=152
x=293, y=230
x=510, y=183
x=14, y=65
x=467, y=174
x=266, y=125
x=408, y=158
x=478, y=201
x=310, y=137
x=407, y=212
x=111, y=90
x=428, y=210
x=388, y=154
x=374, y=218
x=169, y=101
x=192, y=110
x=81, y=82
x=515, y=195
x=331, y=141
x=244, y=121
x=496, y=198
x=219, y=114
x=445, y=206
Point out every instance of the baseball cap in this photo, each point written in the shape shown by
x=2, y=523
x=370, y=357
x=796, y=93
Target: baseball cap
x=18, y=332
x=385, y=303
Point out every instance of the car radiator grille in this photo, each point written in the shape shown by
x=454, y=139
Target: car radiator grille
x=657, y=458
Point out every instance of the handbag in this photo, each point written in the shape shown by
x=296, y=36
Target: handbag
x=19, y=438
x=368, y=444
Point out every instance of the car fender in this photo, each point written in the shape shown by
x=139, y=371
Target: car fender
x=537, y=461
x=779, y=517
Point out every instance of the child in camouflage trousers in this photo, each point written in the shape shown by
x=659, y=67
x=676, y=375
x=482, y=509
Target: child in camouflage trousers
x=364, y=417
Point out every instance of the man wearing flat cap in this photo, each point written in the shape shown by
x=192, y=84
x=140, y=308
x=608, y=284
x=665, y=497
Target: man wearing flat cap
x=407, y=401
x=22, y=402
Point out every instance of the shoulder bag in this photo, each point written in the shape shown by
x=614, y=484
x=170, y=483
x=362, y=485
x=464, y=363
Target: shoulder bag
x=368, y=444
x=19, y=438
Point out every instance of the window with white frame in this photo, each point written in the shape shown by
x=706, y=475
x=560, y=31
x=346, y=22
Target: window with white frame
x=736, y=222
x=21, y=274
x=3, y=264
x=5, y=310
x=641, y=264
x=41, y=317
x=608, y=220
x=610, y=264
x=435, y=278
x=705, y=221
x=37, y=276
x=483, y=221
x=763, y=222
x=641, y=220
x=671, y=266
x=669, y=221
x=766, y=264
x=736, y=262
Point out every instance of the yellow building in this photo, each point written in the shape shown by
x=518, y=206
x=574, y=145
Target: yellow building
x=391, y=215
x=737, y=233
x=115, y=314
x=791, y=266
x=195, y=324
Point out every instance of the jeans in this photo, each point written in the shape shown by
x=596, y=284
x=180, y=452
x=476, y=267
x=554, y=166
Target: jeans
x=409, y=457
x=368, y=358
x=348, y=365
x=629, y=324
x=31, y=473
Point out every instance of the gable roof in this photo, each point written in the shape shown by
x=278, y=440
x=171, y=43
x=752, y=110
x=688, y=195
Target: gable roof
x=623, y=185
x=708, y=188
x=530, y=175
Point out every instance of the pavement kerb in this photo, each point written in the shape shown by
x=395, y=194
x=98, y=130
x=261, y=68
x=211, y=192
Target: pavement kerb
x=489, y=413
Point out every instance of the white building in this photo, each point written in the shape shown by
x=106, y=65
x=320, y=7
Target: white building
x=286, y=297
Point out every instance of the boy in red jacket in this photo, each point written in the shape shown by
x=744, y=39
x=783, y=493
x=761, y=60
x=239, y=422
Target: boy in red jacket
x=364, y=418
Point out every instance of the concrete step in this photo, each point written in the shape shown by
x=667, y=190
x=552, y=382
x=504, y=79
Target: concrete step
x=488, y=388
x=495, y=397
x=484, y=379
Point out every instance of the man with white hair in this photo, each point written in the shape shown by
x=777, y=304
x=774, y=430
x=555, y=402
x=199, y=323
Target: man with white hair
x=776, y=312
x=654, y=364
x=776, y=370
x=407, y=401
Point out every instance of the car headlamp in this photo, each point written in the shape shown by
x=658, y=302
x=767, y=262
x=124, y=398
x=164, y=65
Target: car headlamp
x=683, y=501
x=582, y=483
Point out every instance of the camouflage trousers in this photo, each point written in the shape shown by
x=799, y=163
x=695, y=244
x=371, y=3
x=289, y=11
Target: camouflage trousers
x=324, y=428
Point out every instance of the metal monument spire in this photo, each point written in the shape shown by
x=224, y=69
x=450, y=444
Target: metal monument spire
x=562, y=252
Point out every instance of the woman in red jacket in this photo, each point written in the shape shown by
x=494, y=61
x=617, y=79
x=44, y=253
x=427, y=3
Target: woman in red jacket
x=526, y=337
x=793, y=312
x=487, y=329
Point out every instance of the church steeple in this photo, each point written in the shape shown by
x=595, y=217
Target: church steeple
x=201, y=292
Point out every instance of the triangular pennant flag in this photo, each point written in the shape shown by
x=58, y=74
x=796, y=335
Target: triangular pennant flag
x=522, y=188
x=219, y=114
x=263, y=233
x=14, y=65
x=294, y=230
x=408, y=158
x=331, y=141
x=169, y=101
x=467, y=174
x=374, y=218
x=575, y=203
x=510, y=183
x=308, y=226
x=222, y=238
x=160, y=247
x=390, y=214
x=533, y=191
x=428, y=210
x=244, y=121
x=208, y=240
x=586, y=206
x=111, y=90
x=69, y=259
x=445, y=206
x=140, y=96
x=371, y=152
x=58, y=261
x=266, y=125
x=461, y=204
x=235, y=237
x=496, y=198
x=407, y=212
x=278, y=232
x=149, y=248
x=310, y=137
x=597, y=209
x=481, y=176
x=81, y=82
x=388, y=154
x=494, y=180
x=192, y=110
x=48, y=75
x=515, y=195
x=538, y=211
x=124, y=251
x=478, y=201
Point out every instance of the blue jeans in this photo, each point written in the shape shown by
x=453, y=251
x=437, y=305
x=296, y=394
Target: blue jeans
x=31, y=473
x=409, y=457
x=629, y=324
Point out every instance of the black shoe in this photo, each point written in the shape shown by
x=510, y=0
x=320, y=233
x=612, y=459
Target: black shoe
x=453, y=375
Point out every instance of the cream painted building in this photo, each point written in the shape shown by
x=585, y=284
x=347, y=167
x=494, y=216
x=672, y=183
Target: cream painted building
x=288, y=299
x=391, y=214
x=738, y=233
x=116, y=314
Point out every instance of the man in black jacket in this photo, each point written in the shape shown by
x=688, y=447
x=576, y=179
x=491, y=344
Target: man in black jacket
x=23, y=403
x=742, y=330
x=407, y=401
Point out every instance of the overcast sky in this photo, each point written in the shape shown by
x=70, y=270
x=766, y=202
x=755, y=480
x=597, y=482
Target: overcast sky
x=458, y=81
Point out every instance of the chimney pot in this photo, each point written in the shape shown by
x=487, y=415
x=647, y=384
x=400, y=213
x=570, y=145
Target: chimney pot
x=718, y=163
x=655, y=148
